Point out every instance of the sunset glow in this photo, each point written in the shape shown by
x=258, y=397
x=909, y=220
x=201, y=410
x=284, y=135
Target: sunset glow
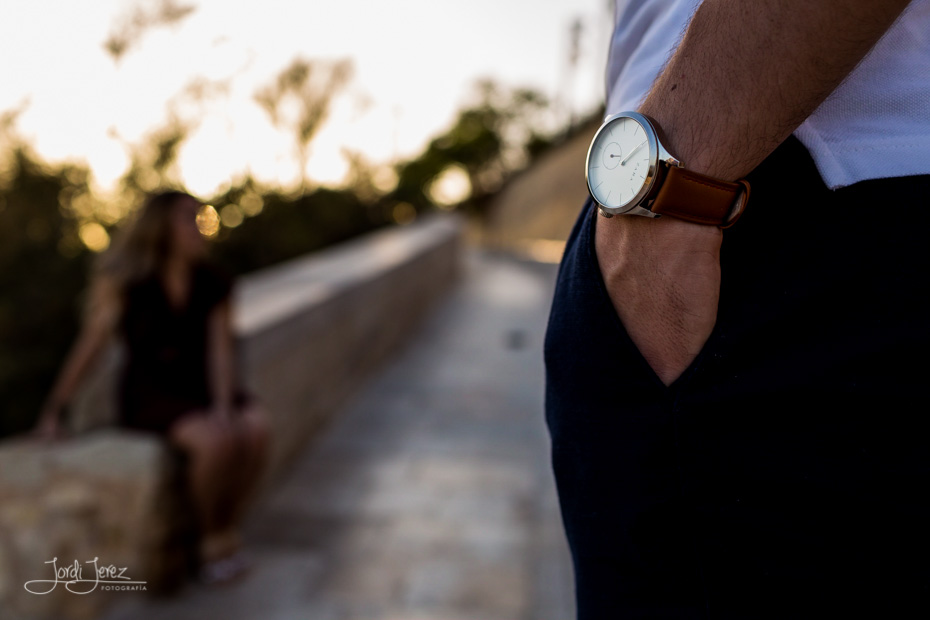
x=414, y=62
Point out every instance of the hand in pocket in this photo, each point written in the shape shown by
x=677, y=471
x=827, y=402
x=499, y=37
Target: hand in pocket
x=663, y=278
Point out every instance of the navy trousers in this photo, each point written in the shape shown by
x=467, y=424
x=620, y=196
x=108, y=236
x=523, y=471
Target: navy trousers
x=786, y=474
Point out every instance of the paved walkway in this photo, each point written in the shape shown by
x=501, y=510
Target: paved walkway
x=430, y=497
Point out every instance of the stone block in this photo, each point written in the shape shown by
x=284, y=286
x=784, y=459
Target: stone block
x=101, y=495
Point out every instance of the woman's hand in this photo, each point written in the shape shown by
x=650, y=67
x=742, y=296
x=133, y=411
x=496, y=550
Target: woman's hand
x=49, y=425
x=221, y=415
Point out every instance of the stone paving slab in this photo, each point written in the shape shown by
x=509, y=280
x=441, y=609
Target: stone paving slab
x=430, y=497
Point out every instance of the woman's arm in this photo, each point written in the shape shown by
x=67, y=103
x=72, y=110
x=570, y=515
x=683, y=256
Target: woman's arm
x=221, y=358
x=99, y=325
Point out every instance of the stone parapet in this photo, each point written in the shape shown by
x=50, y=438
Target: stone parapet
x=308, y=332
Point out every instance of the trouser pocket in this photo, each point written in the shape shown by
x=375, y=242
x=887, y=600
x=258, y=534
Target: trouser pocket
x=615, y=329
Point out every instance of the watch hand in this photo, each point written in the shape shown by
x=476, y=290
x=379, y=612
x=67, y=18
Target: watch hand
x=631, y=153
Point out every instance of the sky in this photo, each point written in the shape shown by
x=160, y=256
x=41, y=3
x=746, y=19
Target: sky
x=415, y=62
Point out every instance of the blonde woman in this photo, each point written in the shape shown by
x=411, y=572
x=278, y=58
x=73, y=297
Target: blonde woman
x=156, y=290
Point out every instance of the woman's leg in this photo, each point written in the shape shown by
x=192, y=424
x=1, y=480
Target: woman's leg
x=250, y=432
x=211, y=451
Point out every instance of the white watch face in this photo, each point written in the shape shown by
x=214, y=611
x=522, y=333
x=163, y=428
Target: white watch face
x=619, y=162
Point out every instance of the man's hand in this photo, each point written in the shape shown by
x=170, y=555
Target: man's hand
x=663, y=277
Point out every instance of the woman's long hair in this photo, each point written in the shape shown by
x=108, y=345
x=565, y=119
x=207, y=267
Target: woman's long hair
x=138, y=251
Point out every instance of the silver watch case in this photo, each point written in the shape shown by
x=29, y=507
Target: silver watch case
x=658, y=155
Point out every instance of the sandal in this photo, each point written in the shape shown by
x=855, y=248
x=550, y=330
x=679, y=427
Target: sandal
x=225, y=569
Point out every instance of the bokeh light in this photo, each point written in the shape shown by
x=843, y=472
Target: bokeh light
x=251, y=204
x=451, y=187
x=231, y=215
x=94, y=236
x=403, y=213
x=208, y=221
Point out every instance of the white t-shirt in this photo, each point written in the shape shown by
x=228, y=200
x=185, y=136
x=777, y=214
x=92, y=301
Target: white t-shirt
x=875, y=124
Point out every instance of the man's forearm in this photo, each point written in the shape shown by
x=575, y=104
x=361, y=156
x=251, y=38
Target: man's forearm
x=746, y=74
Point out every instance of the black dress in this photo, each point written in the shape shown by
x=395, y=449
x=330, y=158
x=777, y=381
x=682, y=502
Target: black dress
x=166, y=374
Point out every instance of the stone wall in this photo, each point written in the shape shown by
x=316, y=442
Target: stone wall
x=336, y=317
x=308, y=332
x=535, y=211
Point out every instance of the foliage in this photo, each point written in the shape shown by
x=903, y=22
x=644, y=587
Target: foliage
x=289, y=226
x=43, y=267
x=310, y=87
x=130, y=29
x=49, y=216
x=489, y=139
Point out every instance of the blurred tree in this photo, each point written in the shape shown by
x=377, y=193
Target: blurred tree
x=569, y=71
x=43, y=266
x=288, y=226
x=489, y=139
x=152, y=161
x=142, y=17
x=366, y=180
x=299, y=99
x=50, y=220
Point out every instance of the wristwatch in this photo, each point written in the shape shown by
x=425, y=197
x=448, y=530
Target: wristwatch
x=630, y=172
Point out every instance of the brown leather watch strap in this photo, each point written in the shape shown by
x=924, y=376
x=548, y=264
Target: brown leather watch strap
x=701, y=199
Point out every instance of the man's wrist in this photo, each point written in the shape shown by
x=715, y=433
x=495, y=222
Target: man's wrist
x=663, y=233
x=678, y=139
